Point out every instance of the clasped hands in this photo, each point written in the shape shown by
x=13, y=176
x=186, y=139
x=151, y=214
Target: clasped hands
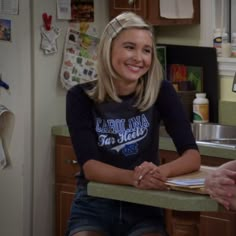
x=149, y=176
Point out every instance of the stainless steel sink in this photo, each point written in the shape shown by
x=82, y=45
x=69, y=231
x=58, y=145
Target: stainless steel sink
x=210, y=133
x=223, y=141
x=215, y=133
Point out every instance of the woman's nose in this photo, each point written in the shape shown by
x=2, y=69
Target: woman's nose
x=137, y=56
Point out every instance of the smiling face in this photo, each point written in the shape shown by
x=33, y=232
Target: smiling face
x=131, y=56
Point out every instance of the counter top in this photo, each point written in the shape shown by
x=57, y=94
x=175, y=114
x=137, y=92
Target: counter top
x=167, y=144
x=175, y=200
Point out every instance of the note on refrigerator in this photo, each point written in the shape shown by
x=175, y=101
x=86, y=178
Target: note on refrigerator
x=64, y=9
x=10, y=7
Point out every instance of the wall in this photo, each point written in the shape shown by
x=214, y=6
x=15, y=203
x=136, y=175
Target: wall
x=226, y=89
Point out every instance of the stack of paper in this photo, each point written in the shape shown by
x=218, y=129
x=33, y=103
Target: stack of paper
x=193, y=182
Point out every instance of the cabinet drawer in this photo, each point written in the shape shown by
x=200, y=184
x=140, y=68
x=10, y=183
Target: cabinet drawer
x=66, y=163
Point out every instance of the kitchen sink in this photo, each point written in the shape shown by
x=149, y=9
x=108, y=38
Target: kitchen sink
x=211, y=133
x=226, y=141
x=216, y=133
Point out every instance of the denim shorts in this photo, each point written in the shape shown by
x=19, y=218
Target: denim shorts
x=113, y=218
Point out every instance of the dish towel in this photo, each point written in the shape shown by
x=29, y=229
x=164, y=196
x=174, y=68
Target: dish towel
x=7, y=121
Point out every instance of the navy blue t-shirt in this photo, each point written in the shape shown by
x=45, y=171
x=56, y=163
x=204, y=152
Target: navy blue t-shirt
x=119, y=134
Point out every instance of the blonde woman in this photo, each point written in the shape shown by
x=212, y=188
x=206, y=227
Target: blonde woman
x=114, y=127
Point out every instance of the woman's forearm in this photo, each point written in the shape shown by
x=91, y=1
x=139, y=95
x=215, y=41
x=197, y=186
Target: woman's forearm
x=104, y=173
x=190, y=161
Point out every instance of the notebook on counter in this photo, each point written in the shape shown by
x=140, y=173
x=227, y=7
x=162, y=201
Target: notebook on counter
x=192, y=182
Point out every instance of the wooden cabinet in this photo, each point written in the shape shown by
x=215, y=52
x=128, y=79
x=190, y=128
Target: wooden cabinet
x=199, y=223
x=218, y=223
x=150, y=10
x=66, y=168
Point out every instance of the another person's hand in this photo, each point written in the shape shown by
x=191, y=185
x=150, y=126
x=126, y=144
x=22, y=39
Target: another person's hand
x=220, y=184
x=148, y=176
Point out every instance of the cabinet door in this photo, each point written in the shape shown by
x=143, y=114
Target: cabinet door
x=119, y=6
x=64, y=197
x=218, y=224
x=185, y=223
x=66, y=164
x=154, y=15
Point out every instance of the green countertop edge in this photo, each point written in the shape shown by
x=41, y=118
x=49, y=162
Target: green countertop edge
x=175, y=200
x=166, y=144
x=60, y=130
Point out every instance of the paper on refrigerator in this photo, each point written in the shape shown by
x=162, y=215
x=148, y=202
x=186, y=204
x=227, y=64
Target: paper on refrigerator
x=80, y=56
x=10, y=7
x=7, y=121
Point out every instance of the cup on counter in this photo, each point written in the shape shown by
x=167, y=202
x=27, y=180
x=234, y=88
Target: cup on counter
x=226, y=49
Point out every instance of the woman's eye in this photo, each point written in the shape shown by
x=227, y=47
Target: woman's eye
x=147, y=50
x=129, y=47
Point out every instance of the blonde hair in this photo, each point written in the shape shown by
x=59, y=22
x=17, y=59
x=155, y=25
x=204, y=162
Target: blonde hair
x=149, y=84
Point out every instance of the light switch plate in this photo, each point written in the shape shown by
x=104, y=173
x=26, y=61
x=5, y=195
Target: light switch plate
x=234, y=84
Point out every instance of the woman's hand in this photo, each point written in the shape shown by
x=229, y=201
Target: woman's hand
x=220, y=184
x=148, y=176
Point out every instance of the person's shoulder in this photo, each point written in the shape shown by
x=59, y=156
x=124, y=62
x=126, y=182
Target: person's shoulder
x=167, y=92
x=81, y=89
x=166, y=88
x=166, y=84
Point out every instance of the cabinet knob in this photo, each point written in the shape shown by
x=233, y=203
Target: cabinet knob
x=72, y=162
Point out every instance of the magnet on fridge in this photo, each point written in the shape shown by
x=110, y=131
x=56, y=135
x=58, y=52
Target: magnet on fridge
x=47, y=20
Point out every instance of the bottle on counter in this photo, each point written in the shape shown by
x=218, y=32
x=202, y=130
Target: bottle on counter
x=200, y=108
x=217, y=41
x=225, y=37
x=226, y=47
